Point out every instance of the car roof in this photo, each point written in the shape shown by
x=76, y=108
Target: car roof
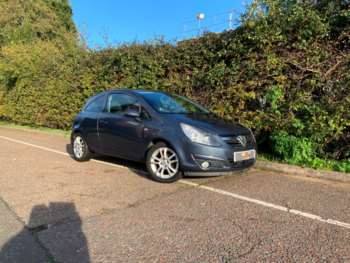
x=137, y=92
x=133, y=91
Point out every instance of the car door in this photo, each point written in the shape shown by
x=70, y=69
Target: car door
x=90, y=116
x=121, y=135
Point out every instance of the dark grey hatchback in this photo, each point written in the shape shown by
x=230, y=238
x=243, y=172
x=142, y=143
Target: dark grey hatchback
x=170, y=133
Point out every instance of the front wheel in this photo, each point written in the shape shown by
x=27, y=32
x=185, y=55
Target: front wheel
x=163, y=164
x=80, y=149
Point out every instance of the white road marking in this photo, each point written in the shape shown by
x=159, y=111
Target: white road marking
x=55, y=151
x=208, y=188
x=270, y=205
x=33, y=145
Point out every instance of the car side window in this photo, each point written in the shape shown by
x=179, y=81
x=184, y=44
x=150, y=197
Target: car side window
x=144, y=114
x=120, y=103
x=96, y=105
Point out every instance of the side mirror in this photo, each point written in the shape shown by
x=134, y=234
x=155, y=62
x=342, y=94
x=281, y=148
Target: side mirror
x=133, y=112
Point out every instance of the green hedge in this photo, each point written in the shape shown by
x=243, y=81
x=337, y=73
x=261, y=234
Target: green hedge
x=285, y=72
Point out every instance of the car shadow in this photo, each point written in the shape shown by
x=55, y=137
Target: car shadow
x=40, y=240
x=135, y=167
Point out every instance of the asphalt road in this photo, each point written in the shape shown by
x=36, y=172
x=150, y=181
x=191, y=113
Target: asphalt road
x=53, y=209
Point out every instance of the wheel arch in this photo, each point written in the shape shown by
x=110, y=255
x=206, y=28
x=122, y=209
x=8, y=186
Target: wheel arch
x=158, y=140
x=74, y=132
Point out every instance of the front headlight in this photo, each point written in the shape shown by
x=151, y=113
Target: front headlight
x=198, y=136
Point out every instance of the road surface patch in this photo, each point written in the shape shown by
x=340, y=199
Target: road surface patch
x=208, y=188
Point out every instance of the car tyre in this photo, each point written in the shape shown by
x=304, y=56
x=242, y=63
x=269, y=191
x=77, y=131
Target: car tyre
x=163, y=163
x=80, y=148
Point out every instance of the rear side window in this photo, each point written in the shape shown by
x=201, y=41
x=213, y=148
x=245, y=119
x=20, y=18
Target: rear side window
x=120, y=103
x=96, y=105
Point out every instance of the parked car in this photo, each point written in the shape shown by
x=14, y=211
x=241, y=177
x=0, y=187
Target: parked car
x=173, y=135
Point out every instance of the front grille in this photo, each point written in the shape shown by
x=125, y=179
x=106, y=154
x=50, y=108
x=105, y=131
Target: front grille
x=236, y=144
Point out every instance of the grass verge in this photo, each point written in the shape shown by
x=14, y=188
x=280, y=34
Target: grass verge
x=318, y=164
x=8, y=124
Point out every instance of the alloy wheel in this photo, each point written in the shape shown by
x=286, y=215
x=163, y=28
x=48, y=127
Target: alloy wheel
x=78, y=147
x=164, y=163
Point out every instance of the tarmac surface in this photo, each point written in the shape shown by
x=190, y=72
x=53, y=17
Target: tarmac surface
x=54, y=209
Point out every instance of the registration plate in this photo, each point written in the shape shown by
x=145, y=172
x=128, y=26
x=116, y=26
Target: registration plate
x=244, y=155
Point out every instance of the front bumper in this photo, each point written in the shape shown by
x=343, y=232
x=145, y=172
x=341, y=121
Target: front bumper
x=239, y=168
x=220, y=159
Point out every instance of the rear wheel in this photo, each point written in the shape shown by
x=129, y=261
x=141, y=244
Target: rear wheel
x=163, y=164
x=80, y=149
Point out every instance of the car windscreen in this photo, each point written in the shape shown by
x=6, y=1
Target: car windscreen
x=167, y=103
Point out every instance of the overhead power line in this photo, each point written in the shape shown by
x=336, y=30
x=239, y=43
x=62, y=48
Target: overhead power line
x=216, y=22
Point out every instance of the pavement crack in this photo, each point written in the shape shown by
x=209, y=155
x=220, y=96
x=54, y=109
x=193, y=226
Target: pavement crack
x=138, y=203
x=47, y=252
x=32, y=231
x=288, y=207
x=37, y=229
x=7, y=205
x=160, y=195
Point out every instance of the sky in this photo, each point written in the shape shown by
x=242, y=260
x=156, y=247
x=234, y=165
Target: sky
x=111, y=22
